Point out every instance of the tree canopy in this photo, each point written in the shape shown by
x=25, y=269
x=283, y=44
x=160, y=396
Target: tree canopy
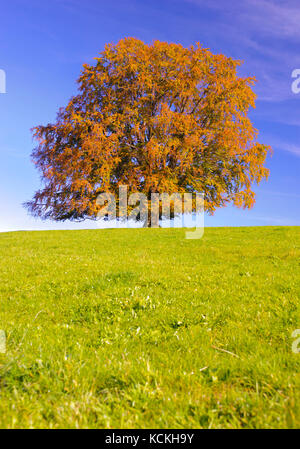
x=157, y=118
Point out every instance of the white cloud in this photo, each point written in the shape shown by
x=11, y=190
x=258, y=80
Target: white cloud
x=265, y=35
x=290, y=147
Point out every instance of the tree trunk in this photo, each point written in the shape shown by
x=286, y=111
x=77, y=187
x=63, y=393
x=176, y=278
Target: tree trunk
x=147, y=222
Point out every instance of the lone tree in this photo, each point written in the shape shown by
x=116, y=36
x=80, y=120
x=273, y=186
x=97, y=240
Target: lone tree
x=157, y=118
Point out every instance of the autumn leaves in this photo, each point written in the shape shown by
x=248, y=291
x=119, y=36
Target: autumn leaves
x=157, y=118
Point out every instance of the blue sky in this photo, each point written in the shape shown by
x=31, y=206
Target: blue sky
x=43, y=47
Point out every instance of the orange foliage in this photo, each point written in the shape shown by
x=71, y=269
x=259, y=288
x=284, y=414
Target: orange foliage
x=157, y=118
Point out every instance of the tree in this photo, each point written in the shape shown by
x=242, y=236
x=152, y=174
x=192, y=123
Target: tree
x=157, y=118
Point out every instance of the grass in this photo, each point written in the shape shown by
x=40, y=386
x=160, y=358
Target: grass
x=130, y=328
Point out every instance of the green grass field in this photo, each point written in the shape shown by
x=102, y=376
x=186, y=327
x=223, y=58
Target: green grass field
x=130, y=328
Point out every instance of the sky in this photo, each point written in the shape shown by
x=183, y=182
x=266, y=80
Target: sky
x=45, y=44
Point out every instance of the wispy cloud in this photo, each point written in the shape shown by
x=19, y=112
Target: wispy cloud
x=280, y=221
x=278, y=144
x=275, y=18
x=265, y=34
x=290, y=147
x=280, y=194
x=272, y=17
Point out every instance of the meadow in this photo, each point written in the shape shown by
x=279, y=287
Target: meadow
x=141, y=328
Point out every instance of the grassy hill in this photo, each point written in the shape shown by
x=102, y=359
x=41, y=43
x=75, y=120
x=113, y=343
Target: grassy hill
x=142, y=328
